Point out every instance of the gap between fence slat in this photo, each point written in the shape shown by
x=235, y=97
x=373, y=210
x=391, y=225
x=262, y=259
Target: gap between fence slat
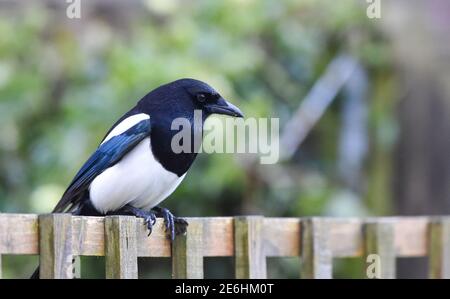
x=380, y=253
x=55, y=246
x=316, y=256
x=250, y=260
x=121, y=247
x=187, y=252
x=439, y=248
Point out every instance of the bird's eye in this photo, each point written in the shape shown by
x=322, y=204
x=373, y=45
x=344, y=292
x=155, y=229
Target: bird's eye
x=201, y=97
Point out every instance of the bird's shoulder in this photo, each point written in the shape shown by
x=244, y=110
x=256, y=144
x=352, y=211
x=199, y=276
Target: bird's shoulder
x=125, y=124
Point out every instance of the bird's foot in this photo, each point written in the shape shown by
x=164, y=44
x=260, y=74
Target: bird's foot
x=174, y=225
x=148, y=216
x=149, y=221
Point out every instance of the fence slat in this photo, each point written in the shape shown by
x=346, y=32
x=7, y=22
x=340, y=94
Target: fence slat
x=380, y=248
x=55, y=246
x=61, y=239
x=439, y=248
x=346, y=238
x=316, y=254
x=410, y=235
x=250, y=259
x=282, y=237
x=19, y=234
x=121, y=247
x=88, y=236
x=187, y=252
x=219, y=231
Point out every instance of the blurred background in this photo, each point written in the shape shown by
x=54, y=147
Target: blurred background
x=364, y=106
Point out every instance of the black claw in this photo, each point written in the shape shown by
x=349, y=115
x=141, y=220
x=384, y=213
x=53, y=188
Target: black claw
x=174, y=225
x=150, y=221
x=167, y=221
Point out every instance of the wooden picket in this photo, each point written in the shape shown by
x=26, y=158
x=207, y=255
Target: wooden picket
x=59, y=239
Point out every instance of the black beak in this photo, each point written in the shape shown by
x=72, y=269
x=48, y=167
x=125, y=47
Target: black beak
x=225, y=108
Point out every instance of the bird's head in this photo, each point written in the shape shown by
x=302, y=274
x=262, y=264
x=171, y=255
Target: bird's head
x=207, y=99
x=170, y=106
x=180, y=98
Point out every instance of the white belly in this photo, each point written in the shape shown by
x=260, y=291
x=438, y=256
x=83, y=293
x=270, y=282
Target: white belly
x=138, y=179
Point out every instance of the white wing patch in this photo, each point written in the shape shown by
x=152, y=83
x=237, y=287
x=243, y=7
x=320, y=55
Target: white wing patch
x=126, y=124
x=138, y=179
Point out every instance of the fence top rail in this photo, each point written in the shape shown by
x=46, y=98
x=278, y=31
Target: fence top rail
x=19, y=234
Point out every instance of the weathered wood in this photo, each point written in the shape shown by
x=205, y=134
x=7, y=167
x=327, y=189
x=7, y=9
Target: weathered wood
x=281, y=236
x=346, y=236
x=316, y=255
x=380, y=249
x=88, y=236
x=155, y=245
x=250, y=260
x=439, y=248
x=217, y=230
x=55, y=246
x=187, y=252
x=219, y=233
x=121, y=247
x=19, y=234
x=410, y=235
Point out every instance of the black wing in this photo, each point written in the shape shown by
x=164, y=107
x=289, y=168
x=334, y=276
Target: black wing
x=107, y=155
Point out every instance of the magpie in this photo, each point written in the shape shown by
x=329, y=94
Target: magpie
x=135, y=167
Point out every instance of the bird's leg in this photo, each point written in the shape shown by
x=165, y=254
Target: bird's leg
x=174, y=225
x=148, y=216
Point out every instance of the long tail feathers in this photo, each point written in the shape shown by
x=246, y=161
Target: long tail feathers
x=35, y=274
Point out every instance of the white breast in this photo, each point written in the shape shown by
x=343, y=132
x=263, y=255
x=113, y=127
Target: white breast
x=138, y=179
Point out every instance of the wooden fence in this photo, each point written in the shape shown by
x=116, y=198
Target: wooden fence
x=60, y=238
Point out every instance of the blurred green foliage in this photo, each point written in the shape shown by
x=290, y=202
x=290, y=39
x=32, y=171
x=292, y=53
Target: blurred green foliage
x=64, y=82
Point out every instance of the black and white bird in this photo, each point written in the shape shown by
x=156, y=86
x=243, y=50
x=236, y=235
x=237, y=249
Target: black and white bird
x=135, y=168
